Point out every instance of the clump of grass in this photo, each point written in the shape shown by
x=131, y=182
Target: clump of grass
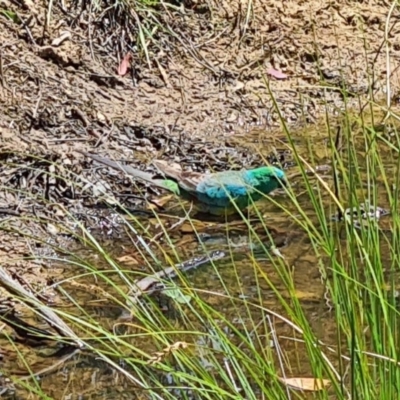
x=116, y=29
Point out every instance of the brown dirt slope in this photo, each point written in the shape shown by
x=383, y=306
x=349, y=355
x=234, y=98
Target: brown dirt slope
x=208, y=76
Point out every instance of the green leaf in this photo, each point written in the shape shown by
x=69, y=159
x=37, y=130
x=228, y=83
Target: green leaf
x=12, y=16
x=176, y=294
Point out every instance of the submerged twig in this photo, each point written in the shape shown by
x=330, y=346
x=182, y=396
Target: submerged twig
x=150, y=283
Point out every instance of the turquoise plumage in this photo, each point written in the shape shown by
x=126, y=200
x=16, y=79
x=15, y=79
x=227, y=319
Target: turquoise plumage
x=215, y=193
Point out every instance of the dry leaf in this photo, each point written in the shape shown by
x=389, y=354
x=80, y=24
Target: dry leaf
x=186, y=239
x=64, y=36
x=196, y=226
x=239, y=86
x=306, y=384
x=123, y=67
x=159, y=355
x=99, y=189
x=101, y=117
x=309, y=296
x=186, y=228
x=52, y=229
x=128, y=260
x=276, y=74
x=162, y=201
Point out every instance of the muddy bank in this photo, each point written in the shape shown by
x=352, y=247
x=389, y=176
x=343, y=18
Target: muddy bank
x=209, y=75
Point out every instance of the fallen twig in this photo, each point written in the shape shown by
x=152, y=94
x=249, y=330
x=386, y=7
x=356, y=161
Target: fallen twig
x=151, y=283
